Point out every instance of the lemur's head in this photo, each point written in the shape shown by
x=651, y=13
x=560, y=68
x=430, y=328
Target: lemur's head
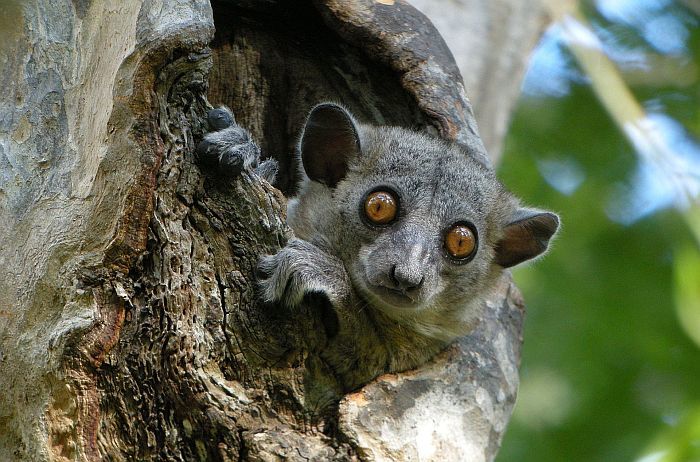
x=421, y=226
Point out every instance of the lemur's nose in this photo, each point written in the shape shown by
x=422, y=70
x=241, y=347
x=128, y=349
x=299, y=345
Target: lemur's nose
x=406, y=278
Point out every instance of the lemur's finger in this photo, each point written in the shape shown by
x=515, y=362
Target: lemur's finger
x=220, y=118
x=208, y=152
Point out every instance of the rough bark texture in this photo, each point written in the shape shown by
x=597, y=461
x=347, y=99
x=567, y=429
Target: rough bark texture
x=128, y=327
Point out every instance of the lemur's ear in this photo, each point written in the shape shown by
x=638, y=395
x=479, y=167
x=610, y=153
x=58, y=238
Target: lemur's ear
x=526, y=236
x=329, y=140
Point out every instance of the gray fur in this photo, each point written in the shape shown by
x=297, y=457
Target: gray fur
x=268, y=169
x=439, y=184
x=397, y=296
x=230, y=149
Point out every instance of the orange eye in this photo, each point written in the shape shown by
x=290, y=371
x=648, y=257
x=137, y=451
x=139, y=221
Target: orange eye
x=460, y=241
x=380, y=207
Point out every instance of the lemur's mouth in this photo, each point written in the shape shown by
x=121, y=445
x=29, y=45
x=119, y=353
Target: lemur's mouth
x=391, y=299
x=396, y=298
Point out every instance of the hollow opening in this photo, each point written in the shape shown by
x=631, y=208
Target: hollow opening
x=272, y=63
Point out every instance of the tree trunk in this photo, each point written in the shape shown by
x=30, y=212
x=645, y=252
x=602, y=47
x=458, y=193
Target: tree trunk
x=128, y=326
x=492, y=42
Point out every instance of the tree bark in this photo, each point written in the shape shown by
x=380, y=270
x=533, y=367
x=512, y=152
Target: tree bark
x=128, y=324
x=508, y=31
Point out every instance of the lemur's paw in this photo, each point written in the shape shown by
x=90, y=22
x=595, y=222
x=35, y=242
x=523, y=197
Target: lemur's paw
x=229, y=149
x=220, y=118
x=297, y=269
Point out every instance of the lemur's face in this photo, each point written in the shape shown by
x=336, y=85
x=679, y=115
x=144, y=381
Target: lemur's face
x=417, y=230
x=421, y=227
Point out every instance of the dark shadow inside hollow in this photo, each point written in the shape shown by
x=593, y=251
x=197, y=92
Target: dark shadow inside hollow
x=273, y=61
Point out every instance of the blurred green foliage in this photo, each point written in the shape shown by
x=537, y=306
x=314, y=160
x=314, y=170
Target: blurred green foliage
x=611, y=364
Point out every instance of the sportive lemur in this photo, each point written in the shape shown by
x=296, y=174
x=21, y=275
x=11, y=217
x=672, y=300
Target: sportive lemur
x=400, y=234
